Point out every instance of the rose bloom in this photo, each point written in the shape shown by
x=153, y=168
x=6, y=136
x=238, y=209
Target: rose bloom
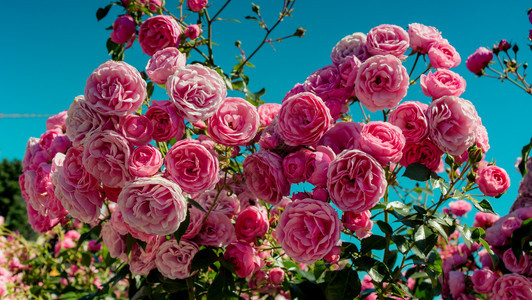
x=57, y=121
x=521, y=266
x=492, y=180
x=38, y=222
x=145, y=161
x=167, y=124
x=482, y=137
x=422, y=37
x=251, y=223
x=388, y=39
x=483, y=280
x=152, y=205
x=267, y=112
x=480, y=59
x=360, y=223
x=485, y=220
x=196, y=5
x=82, y=120
x=235, y=123
x=137, y=129
x=341, y=136
x=124, y=30
x=424, y=152
x=226, y=202
x=325, y=83
x=443, y=56
x=158, y=32
x=196, y=220
x=217, y=231
x=264, y=175
x=453, y=124
x=294, y=166
x=317, y=164
x=383, y=141
x=197, y=92
x=460, y=207
x=115, y=88
x=142, y=261
x=308, y=230
x=276, y=276
x=456, y=282
x=512, y=287
x=150, y=4
x=303, y=119
x=442, y=83
x=354, y=44
x=114, y=241
x=243, y=257
x=193, y=31
x=164, y=63
x=356, y=181
x=173, y=260
x=382, y=82
x=348, y=73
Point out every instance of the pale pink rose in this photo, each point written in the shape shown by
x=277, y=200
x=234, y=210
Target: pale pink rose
x=267, y=112
x=494, y=234
x=485, y=220
x=137, y=129
x=359, y=223
x=197, y=91
x=57, y=121
x=480, y=59
x=46, y=139
x=38, y=222
x=32, y=155
x=193, y=31
x=317, y=164
x=348, y=72
x=492, y=180
x=167, y=123
x=523, y=213
x=388, y=39
x=308, y=229
x=117, y=220
x=82, y=120
x=483, y=280
x=383, y=141
x=354, y=44
x=192, y=166
x=124, y=30
x=294, y=166
x=115, y=88
x=251, y=223
x=114, y=241
x=143, y=261
x=443, y=56
x=460, y=207
x=303, y=119
x=217, y=231
x=243, y=257
x=235, y=123
x=158, y=32
x=145, y=161
x=424, y=152
x=422, y=37
x=152, y=205
x=173, y=260
x=276, y=276
x=356, y=181
x=226, y=202
x=453, y=124
x=442, y=83
x=196, y=222
x=482, y=137
x=325, y=83
x=196, y=5
x=341, y=136
x=164, y=63
x=264, y=175
x=513, y=265
x=456, y=282
x=382, y=82
x=512, y=287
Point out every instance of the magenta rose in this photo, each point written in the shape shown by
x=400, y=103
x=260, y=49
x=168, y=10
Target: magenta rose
x=276, y=276
x=173, y=260
x=383, y=141
x=115, y=88
x=82, y=121
x=382, y=82
x=359, y=223
x=303, y=119
x=197, y=92
x=251, y=223
x=243, y=258
x=512, y=287
x=456, y=283
x=164, y=63
x=317, y=164
x=235, y=123
x=341, y=136
x=443, y=56
x=483, y=280
x=308, y=230
x=356, y=181
x=480, y=59
x=442, y=83
x=388, y=39
x=124, y=30
x=267, y=112
x=424, y=152
x=354, y=44
x=145, y=161
x=325, y=83
x=521, y=266
x=453, y=124
x=167, y=124
x=137, y=129
x=158, y=32
x=153, y=205
x=492, y=180
x=460, y=207
x=196, y=5
x=193, y=31
x=422, y=37
x=264, y=175
x=294, y=166
x=57, y=121
x=217, y=231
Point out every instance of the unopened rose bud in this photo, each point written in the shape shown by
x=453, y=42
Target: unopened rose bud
x=300, y=32
x=255, y=8
x=238, y=43
x=477, y=61
x=504, y=45
x=515, y=48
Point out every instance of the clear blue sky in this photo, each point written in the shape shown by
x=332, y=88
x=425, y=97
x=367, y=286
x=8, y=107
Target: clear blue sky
x=50, y=48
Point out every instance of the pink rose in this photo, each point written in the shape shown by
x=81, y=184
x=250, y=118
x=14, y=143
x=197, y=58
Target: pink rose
x=360, y=223
x=150, y=4
x=388, y=39
x=457, y=283
x=82, y=121
x=117, y=220
x=114, y=241
x=217, y=231
x=424, y=152
x=167, y=124
x=145, y=161
x=325, y=83
x=485, y=220
x=243, y=258
x=196, y=5
x=485, y=259
x=480, y=59
x=196, y=222
x=453, y=124
x=264, y=175
x=317, y=164
x=483, y=280
x=196, y=91
x=235, y=123
x=164, y=63
x=193, y=31
x=143, y=260
x=152, y=205
x=443, y=56
x=226, y=202
x=137, y=129
x=341, y=136
x=173, y=260
x=192, y=166
x=512, y=287
x=276, y=276
x=94, y=246
x=115, y=88
x=482, y=137
x=267, y=112
x=442, y=83
x=422, y=37
x=294, y=166
x=39, y=222
x=383, y=141
x=513, y=265
x=57, y=121
x=124, y=30
x=303, y=119
x=308, y=230
x=348, y=72
x=356, y=181
x=460, y=207
x=354, y=44
x=251, y=223
x=382, y=82
x=158, y=32
x=492, y=180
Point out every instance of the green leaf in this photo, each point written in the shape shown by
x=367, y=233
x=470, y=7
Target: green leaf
x=391, y=258
x=203, y=259
x=384, y=227
x=182, y=227
x=196, y=204
x=419, y=172
x=319, y=269
x=348, y=249
x=520, y=239
x=399, y=208
x=425, y=239
x=344, y=284
x=483, y=206
x=494, y=258
x=379, y=272
x=402, y=243
x=306, y=290
x=443, y=230
x=524, y=156
x=373, y=242
x=86, y=259
x=222, y=286
x=130, y=241
x=102, y=12
x=435, y=262
x=149, y=89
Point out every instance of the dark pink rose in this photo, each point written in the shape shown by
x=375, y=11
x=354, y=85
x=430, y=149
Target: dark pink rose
x=512, y=287
x=298, y=88
x=276, y=276
x=264, y=175
x=422, y=37
x=317, y=164
x=114, y=241
x=354, y=44
x=453, y=124
x=226, y=202
x=173, y=260
x=460, y=207
x=308, y=229
x=480, y=59
x=294, y=166
x=94, y=246
x=320, y=193
x=382, y=82
x=492, y=180
x=509, y=225
x=158, y=32
x=193, y=31
x=243, y=258
x=341, y=136
x=164, y=63
x=145, y=161
x=443, y=56
x=456, y=283
x=196, y=5
x=267, y=112
x=137, y=129
x=38, y=222
x=235, y=123
x=251, y=223
x=388, y=39
x=359, y=223
x=124, y=30
x=356, y=181
x=325, y=83
x=483, y=280
x=57, y=121
x=167, y=124
x=217, y=231
x=513, y=265
x=303, y=119
x=196, y=222
x=485, y=259
x=442, y=83
x=383, y=141
x=424, y=152
x=142, y=261
x=197, y=91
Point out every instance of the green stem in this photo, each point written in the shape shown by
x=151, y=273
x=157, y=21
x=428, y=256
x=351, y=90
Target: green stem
x=414, y=66
x=190, y=288
x=214, y=201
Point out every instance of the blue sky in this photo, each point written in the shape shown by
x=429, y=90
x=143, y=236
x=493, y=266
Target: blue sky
x=50, y=48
